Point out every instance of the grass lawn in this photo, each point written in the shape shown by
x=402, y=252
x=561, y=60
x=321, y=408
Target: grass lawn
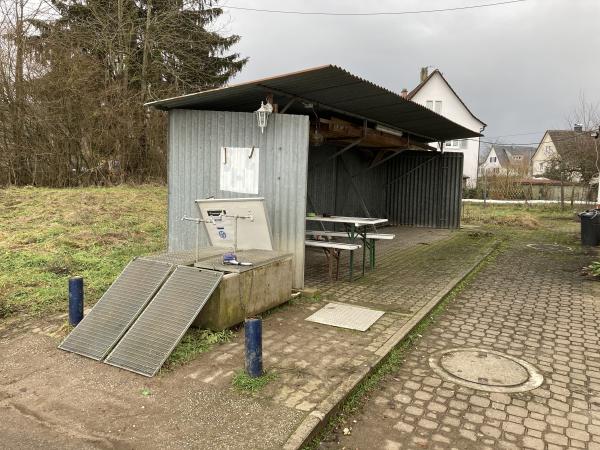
x=524, y=219
x=48, y=235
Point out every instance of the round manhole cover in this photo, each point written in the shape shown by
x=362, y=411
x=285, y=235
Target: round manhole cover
x=550, y=247
x=485, y=370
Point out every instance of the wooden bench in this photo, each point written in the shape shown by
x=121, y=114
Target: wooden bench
x=371, y=237
x=332, y=251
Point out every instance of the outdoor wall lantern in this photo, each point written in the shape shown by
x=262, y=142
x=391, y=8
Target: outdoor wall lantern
x=262, y=115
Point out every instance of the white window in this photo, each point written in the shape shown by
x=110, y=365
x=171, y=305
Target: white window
x=518, y=157
x=462, y=143
x=438, y=106
x=493, y=159
x=429, y=104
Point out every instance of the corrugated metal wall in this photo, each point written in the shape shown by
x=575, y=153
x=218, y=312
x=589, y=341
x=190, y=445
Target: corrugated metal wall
x=334, y=184
x=415, y=188
x=195, y=140
x=424, y=189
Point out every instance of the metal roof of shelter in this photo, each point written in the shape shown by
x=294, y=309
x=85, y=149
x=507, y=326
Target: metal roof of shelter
x=327, y=88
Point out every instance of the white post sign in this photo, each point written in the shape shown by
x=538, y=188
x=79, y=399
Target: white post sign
x=239, y=169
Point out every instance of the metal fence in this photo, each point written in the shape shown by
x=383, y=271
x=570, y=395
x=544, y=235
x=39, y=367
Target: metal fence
x=516, y=188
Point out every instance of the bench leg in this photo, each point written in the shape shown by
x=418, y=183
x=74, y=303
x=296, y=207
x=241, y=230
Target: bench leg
x=350, y=277
x=351, y=263
x=332, y=256
x=372, y=254
x=328, y=256
x=364, y=243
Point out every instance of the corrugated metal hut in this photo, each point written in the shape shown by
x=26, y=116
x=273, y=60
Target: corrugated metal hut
x=335, y=143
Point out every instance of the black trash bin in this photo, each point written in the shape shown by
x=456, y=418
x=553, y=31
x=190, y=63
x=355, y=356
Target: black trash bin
x=590, y=227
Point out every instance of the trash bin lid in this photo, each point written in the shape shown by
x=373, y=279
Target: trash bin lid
x=590, y=213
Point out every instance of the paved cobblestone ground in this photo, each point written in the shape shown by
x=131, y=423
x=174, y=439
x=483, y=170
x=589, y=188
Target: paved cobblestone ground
x=529, y=304
x=311, y=359
x=194, y=406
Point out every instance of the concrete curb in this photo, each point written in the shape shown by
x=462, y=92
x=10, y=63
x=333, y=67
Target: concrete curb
x=319, y=417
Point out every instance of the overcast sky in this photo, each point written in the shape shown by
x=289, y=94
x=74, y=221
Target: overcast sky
x=520, y=68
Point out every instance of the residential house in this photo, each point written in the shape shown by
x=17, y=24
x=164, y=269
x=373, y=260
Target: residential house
x=574, y=147
x=507, y=160
x=435, y=92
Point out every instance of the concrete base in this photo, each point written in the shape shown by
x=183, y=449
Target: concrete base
x=248, y=293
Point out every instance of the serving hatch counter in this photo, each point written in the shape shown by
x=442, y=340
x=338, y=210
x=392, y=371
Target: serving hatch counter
x=239, y=226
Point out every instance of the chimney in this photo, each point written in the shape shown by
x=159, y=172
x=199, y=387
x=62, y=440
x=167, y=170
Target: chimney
x=424, y=73
x=578, y=127
x=404, y=93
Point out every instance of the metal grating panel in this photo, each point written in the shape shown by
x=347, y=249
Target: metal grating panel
x=120, y=305
x=163, y=323
x=346, y=316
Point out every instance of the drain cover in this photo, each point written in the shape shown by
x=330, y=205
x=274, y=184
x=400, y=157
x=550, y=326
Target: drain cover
x=485, y=370
x=550, y=247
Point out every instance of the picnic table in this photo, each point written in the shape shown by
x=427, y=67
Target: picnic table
x=355, y=228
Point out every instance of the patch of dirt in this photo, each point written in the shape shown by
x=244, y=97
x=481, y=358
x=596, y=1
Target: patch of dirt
x=522, y=220
x=53, y=399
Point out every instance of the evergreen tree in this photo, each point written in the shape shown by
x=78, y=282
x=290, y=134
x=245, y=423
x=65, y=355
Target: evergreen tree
x=89, y=71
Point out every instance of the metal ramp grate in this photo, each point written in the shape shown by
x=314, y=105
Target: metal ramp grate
x=120, y=305
x=158, y=330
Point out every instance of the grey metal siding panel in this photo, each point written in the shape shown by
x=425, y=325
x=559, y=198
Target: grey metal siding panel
x=415, y=188
x=196, y=138
x=424, y=189
x=331, y=183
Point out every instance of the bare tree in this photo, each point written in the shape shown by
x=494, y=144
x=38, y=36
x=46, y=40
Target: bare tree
x=585, y=113
x=73, y=81
x=576, y=158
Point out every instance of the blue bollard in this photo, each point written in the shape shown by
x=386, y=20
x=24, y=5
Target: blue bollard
x=253, y=334
x=75, y=300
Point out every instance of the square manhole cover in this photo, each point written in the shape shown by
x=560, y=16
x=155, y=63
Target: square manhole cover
x=346, y=316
